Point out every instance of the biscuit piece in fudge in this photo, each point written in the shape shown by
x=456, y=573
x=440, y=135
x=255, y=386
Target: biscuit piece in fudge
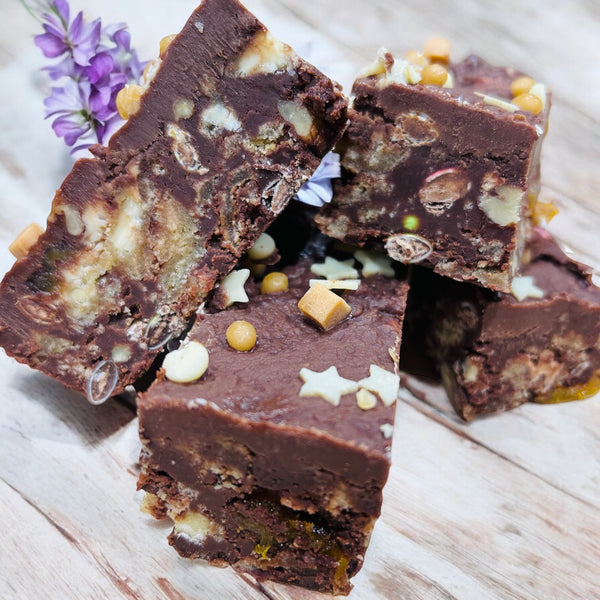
x=275, y=459
x=228, y=130
x=496, y=351
x=441, y=175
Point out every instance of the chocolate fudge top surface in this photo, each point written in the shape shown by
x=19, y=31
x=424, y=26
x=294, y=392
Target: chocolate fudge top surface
x=494, y=350
x=262, y=386
x=230, y=127
x=437, y=175
x=561, y=294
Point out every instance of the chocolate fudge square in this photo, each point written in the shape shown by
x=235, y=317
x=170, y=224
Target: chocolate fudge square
x=440, y=175
x=231, y=125
x=259, y=470
x=496, y=351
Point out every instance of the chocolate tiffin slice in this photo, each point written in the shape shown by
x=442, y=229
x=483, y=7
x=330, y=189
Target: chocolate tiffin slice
x=231, y=125
x=273, y=456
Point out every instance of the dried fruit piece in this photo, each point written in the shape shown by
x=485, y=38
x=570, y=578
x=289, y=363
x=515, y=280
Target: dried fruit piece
x=27, y=238
x=437, y=48
x=323, y=306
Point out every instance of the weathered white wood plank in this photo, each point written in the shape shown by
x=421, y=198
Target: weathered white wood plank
x=77, y=465
x=34, y=556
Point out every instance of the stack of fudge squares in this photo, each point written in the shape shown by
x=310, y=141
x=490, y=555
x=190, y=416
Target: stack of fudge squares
x=274, y=333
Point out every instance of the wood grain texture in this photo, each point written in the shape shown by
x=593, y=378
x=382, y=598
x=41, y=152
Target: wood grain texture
x=504, y=507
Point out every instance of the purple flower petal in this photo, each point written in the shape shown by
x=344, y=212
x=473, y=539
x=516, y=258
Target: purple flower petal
x=62, y=10
x=318, y=190
x=65, y=68
x=84, y=39
x=101, y=65
x=70, y=128
x=50, y=45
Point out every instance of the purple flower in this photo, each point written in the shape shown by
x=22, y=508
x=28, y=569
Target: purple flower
x=95, y=63
x=125, y=58
x=318, y=191
x=77, y=39
x=71, y=107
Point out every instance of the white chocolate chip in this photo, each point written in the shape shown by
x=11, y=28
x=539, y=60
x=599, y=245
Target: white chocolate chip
x=263, y=247
x=121, y=353
x=335, y=269
x=233, y=286
x=382, y=382
x=73, y=219
x=412, y=74
x=297, y=114
x=199, y=25
x=216, y=118
x=524, y=287
x=183, y=109
x=387, y=429
x=336, y=284
x=265, y=54
x=470, y=370
x=502, y=205
x=365, y=399
x=374, y=263
x=186, y=364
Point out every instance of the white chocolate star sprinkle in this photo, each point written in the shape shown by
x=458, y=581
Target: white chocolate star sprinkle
x=335, y=269
x=327, y=384
x=233, y=285
x=374, y=263
x=382, y=382
x=524, y=287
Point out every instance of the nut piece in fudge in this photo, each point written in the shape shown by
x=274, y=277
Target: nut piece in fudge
x=440, y=164
x=231, y=124
x=275, y=459
x=495, y=351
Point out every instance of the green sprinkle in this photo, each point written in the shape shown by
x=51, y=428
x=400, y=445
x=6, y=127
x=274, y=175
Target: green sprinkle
x=411, y=222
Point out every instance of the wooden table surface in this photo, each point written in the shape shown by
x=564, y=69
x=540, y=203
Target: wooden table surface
x=505, y=507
